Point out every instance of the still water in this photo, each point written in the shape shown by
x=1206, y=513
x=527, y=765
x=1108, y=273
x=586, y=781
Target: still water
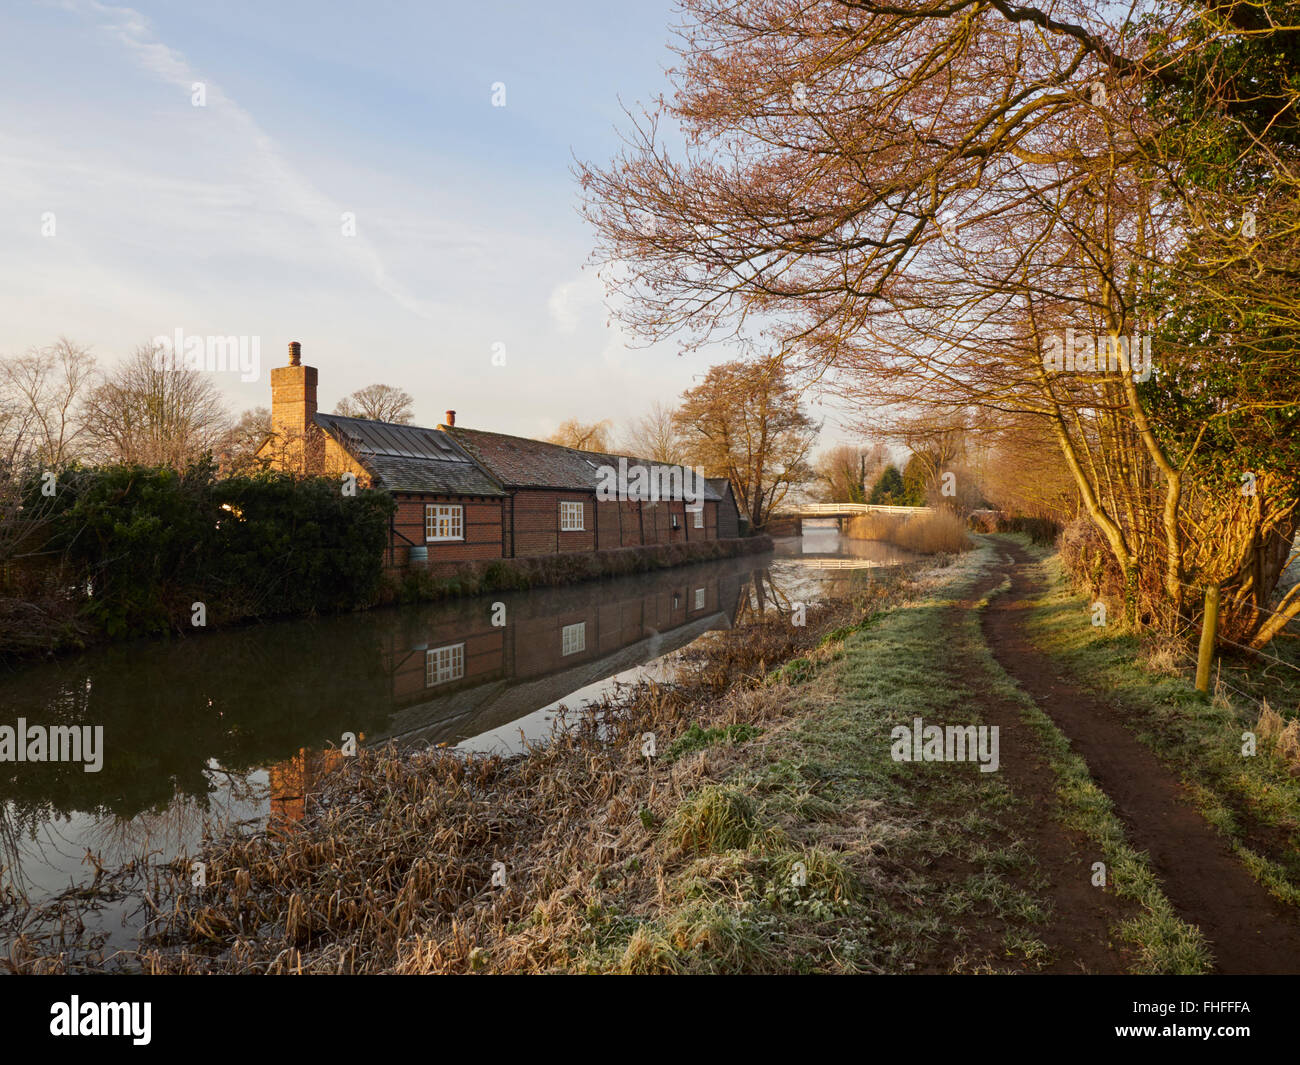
x=222, y=729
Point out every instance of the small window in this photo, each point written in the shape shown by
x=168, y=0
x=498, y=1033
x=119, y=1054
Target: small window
x=571, y=517
x=444, y=522
x=699, y=518
x=699, y=598
x=573, y=638
x=442, y=664
x=675, y=523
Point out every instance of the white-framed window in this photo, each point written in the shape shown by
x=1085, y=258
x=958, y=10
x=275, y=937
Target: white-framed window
x=444, y=521
x=699, y=598
x=442, y=664
x=573, y=638
x=571, y=517
x=699, y=518
x=675, y=523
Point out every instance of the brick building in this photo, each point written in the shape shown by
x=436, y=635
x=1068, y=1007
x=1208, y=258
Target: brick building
x=728, y=513
x=467, y=495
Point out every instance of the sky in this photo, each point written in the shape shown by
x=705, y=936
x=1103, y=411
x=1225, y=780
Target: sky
x=128, y=212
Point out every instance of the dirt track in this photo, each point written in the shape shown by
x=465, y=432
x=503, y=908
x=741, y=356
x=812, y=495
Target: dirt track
x=1249, y=931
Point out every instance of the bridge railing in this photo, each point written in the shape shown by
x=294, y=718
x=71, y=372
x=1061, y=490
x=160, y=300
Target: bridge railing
x=834, y=510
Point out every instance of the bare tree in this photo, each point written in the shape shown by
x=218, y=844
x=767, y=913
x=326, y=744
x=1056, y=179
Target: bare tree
x=937, y=200
x=1023, y=472
x=41, y=396
x=380, y=403
x=153, y=410
x=585, y=437
x=237, y=451
x=935, y=446
x=744, y=422
x=15, y=424
x=655, y=436
x=846, y=473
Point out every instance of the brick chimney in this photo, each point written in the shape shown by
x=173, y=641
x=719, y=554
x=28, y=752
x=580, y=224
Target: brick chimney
x=293, y=410
x=451, y=418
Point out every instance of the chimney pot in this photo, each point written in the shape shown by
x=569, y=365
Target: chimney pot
x=451, y=417
x=295, y=353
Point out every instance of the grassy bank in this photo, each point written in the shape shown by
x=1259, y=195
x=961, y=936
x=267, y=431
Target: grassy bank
x=771, y=831
x=932, y=533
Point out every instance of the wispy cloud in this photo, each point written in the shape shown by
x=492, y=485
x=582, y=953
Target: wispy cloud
x=274, y=176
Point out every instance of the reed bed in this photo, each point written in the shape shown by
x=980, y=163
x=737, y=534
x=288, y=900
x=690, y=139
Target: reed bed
x=939, y=531
x=392, y=868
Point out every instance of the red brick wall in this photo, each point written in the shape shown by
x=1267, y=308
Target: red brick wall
x=658, y=522
x=623, y=524
x=630, y=518
x=482, y=529
x=710, y=530
x=609, y=525
x=536, y=522
x=528, y=524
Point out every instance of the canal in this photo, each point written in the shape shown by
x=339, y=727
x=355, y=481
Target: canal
x=228, y=728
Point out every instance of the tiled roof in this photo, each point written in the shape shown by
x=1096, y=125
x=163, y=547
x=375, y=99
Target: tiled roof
x=458, y=461
x=522, y=463
x=410, y=458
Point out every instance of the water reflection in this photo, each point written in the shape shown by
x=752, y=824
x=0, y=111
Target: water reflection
x=823, y=544
x=240, y=700
x=237, y=727
x=292, y=781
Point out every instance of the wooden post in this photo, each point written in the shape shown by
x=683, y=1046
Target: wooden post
x=1209, y=630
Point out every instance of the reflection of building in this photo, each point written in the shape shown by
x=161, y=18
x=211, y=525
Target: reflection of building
x=292, y=781
x=250, y=697
x=458, y=678
x=453, y=674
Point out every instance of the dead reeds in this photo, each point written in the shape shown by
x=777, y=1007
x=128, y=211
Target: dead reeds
x=1279, y=734
x=443, y=862
x=931, y=533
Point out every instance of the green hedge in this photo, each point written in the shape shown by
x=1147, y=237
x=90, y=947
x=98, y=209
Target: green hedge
x=143, y=544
